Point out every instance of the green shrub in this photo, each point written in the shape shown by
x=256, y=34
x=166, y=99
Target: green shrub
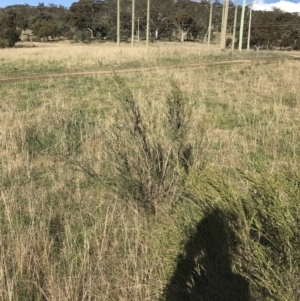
x=273, y=236
x=2, y=43
x=264, y=216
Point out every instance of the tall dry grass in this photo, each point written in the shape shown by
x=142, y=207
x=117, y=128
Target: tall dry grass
x=66, y=235
x=66, y=57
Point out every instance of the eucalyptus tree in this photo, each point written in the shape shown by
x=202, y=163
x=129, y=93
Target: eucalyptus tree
x=182, y=18
x=90, y=16
x=9, y=34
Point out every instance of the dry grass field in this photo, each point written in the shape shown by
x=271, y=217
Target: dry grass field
x=105, y=180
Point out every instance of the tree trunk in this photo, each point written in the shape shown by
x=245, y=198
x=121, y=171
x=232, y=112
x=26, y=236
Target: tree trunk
x=92, y=34
x=183, y=33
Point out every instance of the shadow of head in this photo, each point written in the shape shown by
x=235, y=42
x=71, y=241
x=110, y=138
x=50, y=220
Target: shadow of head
x=204, y=269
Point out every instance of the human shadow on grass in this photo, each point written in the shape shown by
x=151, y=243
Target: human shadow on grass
x=204, y=270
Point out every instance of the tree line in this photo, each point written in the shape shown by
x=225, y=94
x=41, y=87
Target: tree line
x=87, y=20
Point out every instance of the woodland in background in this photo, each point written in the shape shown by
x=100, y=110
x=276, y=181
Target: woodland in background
x=88, y=20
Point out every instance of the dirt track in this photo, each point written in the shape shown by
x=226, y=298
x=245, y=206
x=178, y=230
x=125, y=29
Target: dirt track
x=133, y=70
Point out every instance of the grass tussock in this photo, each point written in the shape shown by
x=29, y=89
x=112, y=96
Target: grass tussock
x=150, y=186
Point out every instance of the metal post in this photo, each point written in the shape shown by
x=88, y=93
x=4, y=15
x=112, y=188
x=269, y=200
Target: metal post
x=118, y=23
x=242, y=26
x=222, y=25
x=148, y=23
x=132, y=23
x=224, y=29
x=209, y=26
x=249, y=28
x=234, y=24
x=138, y=29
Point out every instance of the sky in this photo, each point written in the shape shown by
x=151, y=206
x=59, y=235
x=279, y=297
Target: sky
x=288, y=6
x=66, y=3
x=285, y=5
